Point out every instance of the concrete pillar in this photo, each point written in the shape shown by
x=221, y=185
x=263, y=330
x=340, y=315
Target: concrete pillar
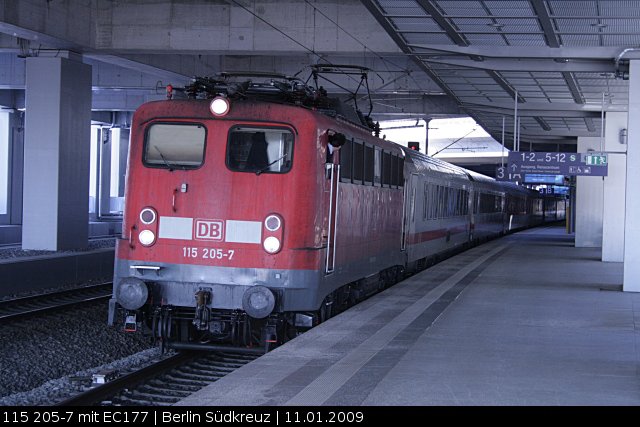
x=104, y=188
x=614, y=188
x=589, y=192
x=124, y=151
x=56, y=152
x=426, y=135
x=631, y=280
x=16, y=122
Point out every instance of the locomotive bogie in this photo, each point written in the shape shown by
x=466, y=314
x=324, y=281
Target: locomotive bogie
x=176, y=284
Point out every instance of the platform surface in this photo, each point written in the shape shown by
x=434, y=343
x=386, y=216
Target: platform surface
x=527, y=319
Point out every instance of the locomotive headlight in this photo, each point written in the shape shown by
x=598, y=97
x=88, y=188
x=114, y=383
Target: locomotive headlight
x=271, y=244
x=273, y=223
x=132, y=293
x=146, y=237
x=219, y=106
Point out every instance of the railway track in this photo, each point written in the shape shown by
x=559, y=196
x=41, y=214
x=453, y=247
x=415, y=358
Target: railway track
x=24, y=307
x=163, y=383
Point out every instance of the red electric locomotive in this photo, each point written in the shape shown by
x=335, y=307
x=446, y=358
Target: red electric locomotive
x=259, y=208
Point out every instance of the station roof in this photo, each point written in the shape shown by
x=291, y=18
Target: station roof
x=563, y=61
x=560, y=59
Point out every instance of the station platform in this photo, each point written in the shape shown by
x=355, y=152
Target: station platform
x=527, y=319
x=28, y=272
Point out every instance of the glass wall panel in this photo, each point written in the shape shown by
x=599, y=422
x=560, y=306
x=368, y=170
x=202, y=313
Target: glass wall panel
x=4, y=165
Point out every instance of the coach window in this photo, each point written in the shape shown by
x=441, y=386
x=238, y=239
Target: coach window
x=4, y=167
x=426, y=201
x=432, y=211
x=465, y=202
x=175, y=146
x=482, y=204
x=260, y=150
x=433, y=207
x=455, y=200
x=358, y=162
x=447, y=202
x=467, y=196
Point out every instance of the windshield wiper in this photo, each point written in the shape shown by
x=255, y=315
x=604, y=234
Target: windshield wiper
x=258, y=172
x=171, y=168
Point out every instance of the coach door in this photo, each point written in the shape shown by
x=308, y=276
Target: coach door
x=409, y=207
x=473, y=196
x=333, y=178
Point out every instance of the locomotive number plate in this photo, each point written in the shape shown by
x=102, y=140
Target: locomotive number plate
x=207, y=253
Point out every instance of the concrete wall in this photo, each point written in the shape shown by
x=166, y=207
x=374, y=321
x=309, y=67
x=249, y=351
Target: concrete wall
x=218, y=26
x=196, y=26
x=70, y=21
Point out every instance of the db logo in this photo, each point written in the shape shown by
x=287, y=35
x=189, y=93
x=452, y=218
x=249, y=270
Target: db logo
x=209, y=229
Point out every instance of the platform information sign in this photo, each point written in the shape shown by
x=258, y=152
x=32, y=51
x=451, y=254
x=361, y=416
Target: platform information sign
x=536, y=178
x=502, y=174
x=578, y=164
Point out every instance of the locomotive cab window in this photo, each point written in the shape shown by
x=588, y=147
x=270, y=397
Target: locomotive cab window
x=176, y=145
x=260, y=150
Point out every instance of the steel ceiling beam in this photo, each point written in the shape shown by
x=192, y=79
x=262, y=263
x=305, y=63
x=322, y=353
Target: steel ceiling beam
x=546, y=106
x=504, y=64
x=493, y=59
x=552, y=135
x=570, y=79
x=544, y=125
x=372, y=7
x=590, y=124
x=564, y=146
x=377, y=13
x=574, y=17
x=504, y=85
x=531, y=52
x=391, y=31
x=540, y=9
x=533, y=112
x=430, y=8
x=529, y=33
x=541, y=136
